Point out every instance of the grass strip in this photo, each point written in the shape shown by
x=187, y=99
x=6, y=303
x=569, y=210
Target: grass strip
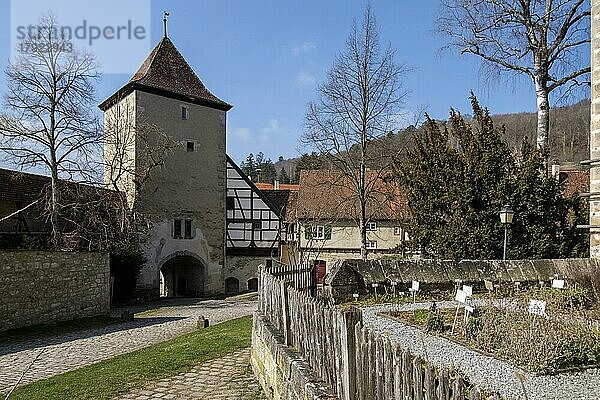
x=121, y=374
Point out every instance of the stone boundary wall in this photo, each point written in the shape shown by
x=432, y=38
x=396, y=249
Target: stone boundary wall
x=357, y=276
x=281, y=371
x=40, y=287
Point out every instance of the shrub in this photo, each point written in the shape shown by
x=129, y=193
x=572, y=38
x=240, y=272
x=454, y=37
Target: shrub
x=126, y=262
x=435, y=321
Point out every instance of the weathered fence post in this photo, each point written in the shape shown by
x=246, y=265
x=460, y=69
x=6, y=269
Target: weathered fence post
x=349, y=321
x=418, y=378
x=285, y=308
x=459, y=389
x=443, y=386
x=430, y=383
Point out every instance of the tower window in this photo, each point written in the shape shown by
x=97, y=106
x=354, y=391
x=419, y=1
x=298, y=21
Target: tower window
x=184, y=112
x=191, y=146
x=257, y=225
x=188, y=229
x=177, y=229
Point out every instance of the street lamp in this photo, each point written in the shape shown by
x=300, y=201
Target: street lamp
x=506, y=218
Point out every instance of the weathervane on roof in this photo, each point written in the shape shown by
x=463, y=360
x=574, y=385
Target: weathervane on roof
x=166, y=14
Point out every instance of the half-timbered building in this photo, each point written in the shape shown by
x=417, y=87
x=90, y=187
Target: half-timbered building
x=253, y=230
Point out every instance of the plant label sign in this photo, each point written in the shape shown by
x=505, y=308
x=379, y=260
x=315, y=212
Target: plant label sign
x=489, y=285
x=468, y=290
x=355, y=295
x=558, y=283
x=415, y=286
x=537, y=307
x=375, y=285
x=469, y=309
x=461, y=296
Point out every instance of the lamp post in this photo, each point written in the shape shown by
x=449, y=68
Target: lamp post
x=506, y=218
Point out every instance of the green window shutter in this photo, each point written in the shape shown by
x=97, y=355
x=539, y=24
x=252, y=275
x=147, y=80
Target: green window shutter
x=327, y=232
x=308, y=232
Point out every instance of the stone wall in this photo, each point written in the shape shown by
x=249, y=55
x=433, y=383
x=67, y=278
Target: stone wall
x=356, y=276
x=44, y=287
x=281, y=371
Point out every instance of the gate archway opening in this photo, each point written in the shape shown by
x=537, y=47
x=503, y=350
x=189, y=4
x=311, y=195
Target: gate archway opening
x=182, y=276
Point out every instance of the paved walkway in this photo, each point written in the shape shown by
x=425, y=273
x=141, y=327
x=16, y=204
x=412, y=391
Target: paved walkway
x=67, y=352
x=226, y=378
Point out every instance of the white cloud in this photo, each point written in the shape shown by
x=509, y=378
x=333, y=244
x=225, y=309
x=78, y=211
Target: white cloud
x=305, y=79
x=242, y=133
x=302, y=48
x=273, y=127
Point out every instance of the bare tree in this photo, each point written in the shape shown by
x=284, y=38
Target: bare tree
x=359, y=102
x=544, y=40
x=50, y=97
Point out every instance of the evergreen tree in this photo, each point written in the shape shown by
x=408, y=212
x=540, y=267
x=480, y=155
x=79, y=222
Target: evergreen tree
x=458, y=177
x=312, y=161
x=283, y=176
x=249, y=166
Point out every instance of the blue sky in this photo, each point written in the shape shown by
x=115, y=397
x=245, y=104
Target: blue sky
x=266, y=58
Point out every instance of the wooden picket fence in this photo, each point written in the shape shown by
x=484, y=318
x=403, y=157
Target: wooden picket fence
x=387, y=371
x=356, y=362
x=300, y=277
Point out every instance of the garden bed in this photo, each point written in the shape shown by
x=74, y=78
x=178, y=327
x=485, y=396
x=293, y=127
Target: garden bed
x=567, y=338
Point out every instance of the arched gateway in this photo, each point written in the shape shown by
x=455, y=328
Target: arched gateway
x=182, y=274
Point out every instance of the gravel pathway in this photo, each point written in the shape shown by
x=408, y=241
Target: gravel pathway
x=62, y=353
x=484, y=371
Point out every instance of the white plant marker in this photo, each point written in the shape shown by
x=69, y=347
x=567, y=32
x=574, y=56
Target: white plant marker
x=558, y=283
x=414, y=289
x=537, y=307
x=461, y=298
x=394, y=283
x=355, y=295
x=375, y=286
x=468, y=311
x=468, y=290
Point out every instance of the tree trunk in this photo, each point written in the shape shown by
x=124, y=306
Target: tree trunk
x=363, y=211
x=54, y=208
x=543, y=113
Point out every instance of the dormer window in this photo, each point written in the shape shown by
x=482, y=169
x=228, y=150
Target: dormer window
x=184, y=112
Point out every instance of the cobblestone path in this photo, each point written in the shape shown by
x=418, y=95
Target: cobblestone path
x=59, y=354
x=226, y=378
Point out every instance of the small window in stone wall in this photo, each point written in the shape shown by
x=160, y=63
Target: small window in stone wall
x=188, y=229
x=184, y=112
x=191, y=146
x=177, y=229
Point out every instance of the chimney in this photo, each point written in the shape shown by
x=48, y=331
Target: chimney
x=276, y=184
x=556, y=169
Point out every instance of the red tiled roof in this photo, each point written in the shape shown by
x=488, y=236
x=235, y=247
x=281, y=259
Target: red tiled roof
x=165, y=72
x=282, y=186
x=330, y=195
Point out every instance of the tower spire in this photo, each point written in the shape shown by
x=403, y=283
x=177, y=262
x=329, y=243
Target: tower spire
x=165, y=15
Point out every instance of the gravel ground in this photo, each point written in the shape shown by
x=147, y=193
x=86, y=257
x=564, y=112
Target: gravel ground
x=484, y=371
